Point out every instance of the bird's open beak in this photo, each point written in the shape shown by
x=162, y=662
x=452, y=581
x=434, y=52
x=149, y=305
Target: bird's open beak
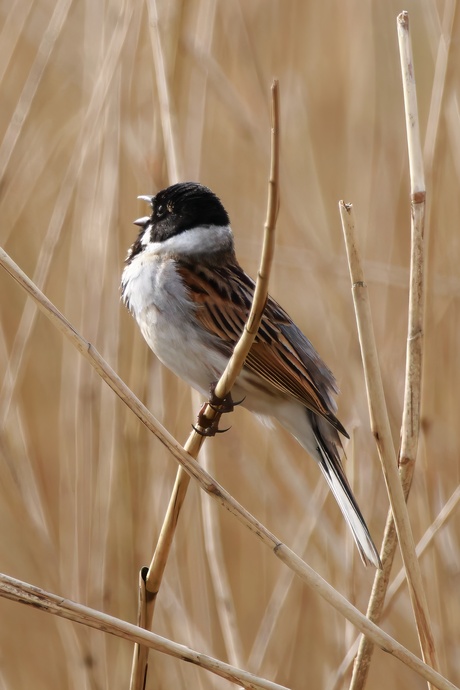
x=146, y=197
x=142, y=221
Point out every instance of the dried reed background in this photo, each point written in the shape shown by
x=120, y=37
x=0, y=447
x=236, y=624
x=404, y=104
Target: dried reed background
x=83, y=487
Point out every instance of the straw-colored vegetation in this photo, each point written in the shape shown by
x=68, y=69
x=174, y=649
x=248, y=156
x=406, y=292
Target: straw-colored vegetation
x=101, y=103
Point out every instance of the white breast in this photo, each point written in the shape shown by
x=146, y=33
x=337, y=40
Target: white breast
x=157, y=298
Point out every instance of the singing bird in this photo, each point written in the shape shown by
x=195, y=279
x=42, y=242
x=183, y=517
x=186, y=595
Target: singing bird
x=191, y=298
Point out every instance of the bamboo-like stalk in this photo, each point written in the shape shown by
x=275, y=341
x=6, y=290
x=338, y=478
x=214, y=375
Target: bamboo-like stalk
x=195, y=440
x=412, y=392
x=414, y=353
x=382, y=433
x=25, y=593
x=216, y=491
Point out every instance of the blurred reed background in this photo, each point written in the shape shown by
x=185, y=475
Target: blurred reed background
x=87, y=125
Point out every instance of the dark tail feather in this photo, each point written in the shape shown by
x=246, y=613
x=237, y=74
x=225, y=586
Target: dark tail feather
x=332, y=469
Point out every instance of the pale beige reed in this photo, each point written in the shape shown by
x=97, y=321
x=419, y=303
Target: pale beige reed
x=83, y=486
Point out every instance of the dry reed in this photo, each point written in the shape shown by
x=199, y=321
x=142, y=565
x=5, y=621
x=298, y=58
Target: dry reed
x=150, y=582
x=77, y=518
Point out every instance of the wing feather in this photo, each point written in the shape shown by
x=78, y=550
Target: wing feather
x=281, y=354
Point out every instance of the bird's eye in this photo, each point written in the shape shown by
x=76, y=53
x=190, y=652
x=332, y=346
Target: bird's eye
x=160, y=211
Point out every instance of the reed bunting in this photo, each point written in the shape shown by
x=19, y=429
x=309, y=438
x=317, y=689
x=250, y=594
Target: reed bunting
x=191, y=298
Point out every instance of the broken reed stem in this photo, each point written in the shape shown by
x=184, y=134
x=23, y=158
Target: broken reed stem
x=194, y=442
x=381, y=430
x=216, y=491
x=413, y=378
x=24, y=593
x=413, y=383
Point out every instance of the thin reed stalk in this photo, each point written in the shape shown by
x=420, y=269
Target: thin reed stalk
x=381, y=429
x=412, y=392
x=25, y=593
x=223, y=388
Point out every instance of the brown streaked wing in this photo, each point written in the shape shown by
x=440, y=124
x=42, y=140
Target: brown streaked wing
x=220, y=312
x=223, y=295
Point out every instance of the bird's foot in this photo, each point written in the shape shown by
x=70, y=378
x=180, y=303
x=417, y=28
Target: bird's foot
x=222, y=404
x=206, y=426
x=210, y=427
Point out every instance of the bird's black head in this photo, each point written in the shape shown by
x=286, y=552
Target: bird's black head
x=178, y=208
x=183, y=206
